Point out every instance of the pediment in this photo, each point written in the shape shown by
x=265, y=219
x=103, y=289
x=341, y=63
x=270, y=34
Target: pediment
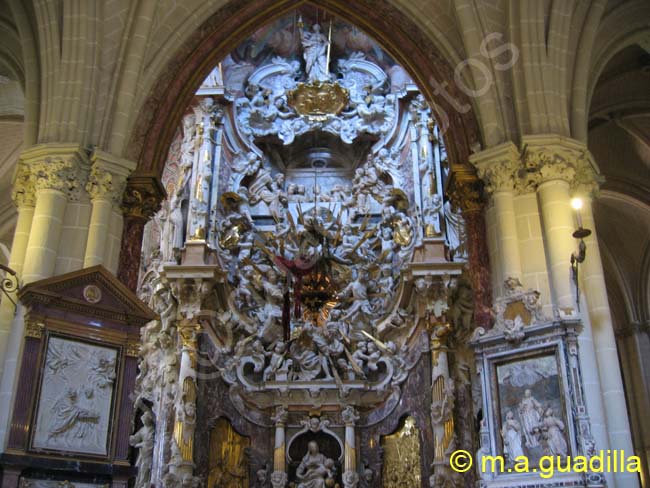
x=92, y=292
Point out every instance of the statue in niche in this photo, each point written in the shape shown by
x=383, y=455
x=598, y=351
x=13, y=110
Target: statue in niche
x=552, y=430
x=314, y=45
x=315, y=470
x=176, y=224
x=530, y=411
x=456, y=235
x=511, y=433
x=432, y=208
x=143, y=440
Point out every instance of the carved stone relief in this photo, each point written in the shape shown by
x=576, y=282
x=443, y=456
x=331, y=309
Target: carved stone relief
x=74, y=410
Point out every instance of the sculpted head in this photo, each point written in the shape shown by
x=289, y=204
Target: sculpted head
x=527, y=393
x=312, y=447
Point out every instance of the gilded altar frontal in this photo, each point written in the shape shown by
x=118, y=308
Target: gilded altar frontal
x=334, y=244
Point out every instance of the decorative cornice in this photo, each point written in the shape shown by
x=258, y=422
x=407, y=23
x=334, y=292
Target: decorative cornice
x=143, y=196
x=499, y=167
x=23, y=192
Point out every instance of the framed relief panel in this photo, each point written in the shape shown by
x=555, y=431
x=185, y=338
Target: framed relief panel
x=75, y=404
x=530, y=407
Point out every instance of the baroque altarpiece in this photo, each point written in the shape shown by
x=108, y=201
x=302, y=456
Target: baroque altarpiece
x=315, y=324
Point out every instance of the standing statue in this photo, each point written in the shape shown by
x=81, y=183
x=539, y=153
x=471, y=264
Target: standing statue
x=456, y=235
x=552, y=429
x=143, y=440
x=511, y=433
x=314, y=46
x=530, y=411
x=315, y=470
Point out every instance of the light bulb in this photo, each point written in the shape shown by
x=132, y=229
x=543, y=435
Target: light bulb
x=576, y=203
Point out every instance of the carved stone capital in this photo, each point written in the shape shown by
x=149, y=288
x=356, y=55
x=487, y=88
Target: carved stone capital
x=465, y=189
x=60, y=167
x=108, y=176
x=23, y=192
x=34, y=329
x=499, y=167
x=551, y=157
x=142, y=197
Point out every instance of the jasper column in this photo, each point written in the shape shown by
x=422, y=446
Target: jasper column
x=465, y=191
x=142, y=199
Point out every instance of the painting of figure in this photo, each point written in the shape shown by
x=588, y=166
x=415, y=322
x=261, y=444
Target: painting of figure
x=531, y=409
x=74, y=408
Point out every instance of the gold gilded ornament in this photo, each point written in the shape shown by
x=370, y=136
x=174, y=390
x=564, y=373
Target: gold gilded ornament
x=318, y=99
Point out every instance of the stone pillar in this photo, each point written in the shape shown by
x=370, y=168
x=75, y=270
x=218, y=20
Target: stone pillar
x=465, y=190
x=609, y=372
x=142, y=199
x=557, y=222
x=106, y=185
x=58, y=172
x=499, y=168
x=350, y=475
x=24, y=198
x=279, y=476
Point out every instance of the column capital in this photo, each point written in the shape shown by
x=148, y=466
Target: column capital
x=465, y=189
x=499, y=167
x=143, y=196
x=549, y=157
x=108, y=175
x=58, y=166
x=23, y=192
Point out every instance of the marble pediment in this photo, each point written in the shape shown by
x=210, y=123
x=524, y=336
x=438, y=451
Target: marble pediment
x=91, y=292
